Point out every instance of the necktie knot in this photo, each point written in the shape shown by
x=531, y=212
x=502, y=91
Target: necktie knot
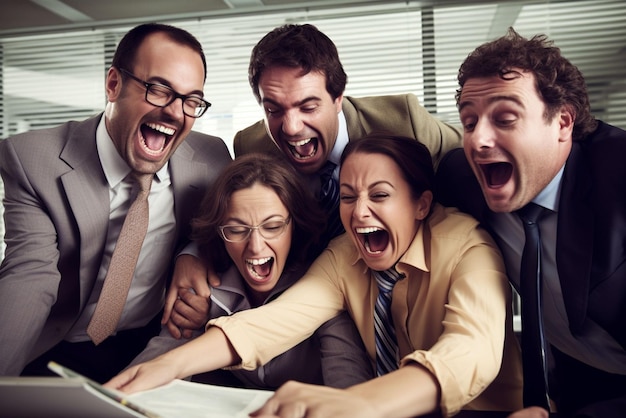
x=387, y=279
x=531, y=213
x=142, y=181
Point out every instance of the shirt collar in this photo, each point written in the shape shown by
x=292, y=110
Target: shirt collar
x=549, y=196
x=341, y=141
x=114, y=167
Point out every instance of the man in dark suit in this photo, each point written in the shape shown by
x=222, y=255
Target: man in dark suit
x=67, y=191
x=529, y=137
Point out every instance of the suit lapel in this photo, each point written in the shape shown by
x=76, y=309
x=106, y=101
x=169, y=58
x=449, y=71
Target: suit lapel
x=88, y=196
x=574, y=248
x=185, y=176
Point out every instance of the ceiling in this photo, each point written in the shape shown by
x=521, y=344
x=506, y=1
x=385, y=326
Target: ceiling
x=22, y=17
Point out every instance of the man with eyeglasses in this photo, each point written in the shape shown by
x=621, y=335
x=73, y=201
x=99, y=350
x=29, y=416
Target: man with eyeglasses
x=67, y=192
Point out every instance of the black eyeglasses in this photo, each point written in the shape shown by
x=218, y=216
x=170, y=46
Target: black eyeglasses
x=268, y=230
x=162, y=96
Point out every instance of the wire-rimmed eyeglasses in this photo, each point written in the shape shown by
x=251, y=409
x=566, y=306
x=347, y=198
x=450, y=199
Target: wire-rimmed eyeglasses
x=162, y=96
x=268, y=230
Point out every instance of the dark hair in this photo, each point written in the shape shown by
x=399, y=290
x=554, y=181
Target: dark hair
x=412, y=157
x=126, y=52
x=559, y=83
x=298, y=46
x=271, y=171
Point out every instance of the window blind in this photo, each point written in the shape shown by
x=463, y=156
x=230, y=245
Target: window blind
x=387, y=48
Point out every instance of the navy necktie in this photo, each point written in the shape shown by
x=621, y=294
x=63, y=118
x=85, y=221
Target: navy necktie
x=533, y=344
x=387, y=357
x=329, y=199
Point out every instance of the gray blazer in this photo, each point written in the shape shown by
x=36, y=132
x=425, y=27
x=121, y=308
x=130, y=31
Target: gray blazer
x=56, y=217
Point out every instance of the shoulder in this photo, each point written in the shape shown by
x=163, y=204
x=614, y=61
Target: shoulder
x=373, y=102
x=254, y=138
x=205, y=147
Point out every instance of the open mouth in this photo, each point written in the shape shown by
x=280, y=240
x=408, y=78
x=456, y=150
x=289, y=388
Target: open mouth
x=156, y=137
x=304, y=149
x=260, y=268
x=497, y=174
x=374, y=239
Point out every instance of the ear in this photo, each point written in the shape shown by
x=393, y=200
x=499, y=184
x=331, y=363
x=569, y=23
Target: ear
x=424, y=203
x=566, y=123
x=338, y=103
x=113, y=84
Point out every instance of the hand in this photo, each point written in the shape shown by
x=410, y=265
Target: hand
x=531, y=412
x=187, y=299
x=299, y=400
x=143, y=376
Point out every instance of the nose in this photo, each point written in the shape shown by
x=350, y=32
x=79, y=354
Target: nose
x=291, y=124
x=482, y=136
x=361, y=209
x=255, y=241
x=175, y=109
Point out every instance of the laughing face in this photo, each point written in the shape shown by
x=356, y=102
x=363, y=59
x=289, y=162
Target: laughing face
x=259, y=260
x=145, y=135
x=513, y=150
x=378, y=209
x=300, y=115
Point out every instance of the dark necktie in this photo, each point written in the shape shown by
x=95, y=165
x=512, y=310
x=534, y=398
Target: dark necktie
x=387, y=357
x=122, y=266
x=329, y=199
x=533, y=344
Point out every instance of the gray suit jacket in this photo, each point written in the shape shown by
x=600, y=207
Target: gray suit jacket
x=56, y=217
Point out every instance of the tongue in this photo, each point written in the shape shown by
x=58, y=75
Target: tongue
x=306, y=149
x=499, y=173
x=262, y=269
x=154, y=140
x=378, y=240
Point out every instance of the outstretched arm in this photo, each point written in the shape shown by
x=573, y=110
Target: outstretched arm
x=208, y=352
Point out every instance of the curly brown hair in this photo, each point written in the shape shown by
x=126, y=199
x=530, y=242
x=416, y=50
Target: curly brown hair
x=559, y=83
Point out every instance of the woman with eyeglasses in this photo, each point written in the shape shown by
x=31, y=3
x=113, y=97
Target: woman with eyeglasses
x=258, y=226
x=425, y=285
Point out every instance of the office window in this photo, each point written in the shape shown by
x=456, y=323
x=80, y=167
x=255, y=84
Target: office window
x=390, y=48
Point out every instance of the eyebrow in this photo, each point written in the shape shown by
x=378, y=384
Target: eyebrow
x=164, y=82
x=515, y=99
x=296, y=104
x=371, y=186
x=241, y=222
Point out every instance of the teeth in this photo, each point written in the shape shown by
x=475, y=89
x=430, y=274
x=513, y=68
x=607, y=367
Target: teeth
x=367, y=230
x=258, y=261
x=299, y=143
x=160, y=128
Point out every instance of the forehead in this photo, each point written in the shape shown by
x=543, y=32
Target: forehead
x=277, y=82
x=257, y=198
x=518, y=89
x=369, y=167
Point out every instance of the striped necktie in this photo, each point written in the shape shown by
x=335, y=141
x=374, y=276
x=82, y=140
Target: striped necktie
x=329, y=199
x=387, y=357
x=533, y=344
x=122, y=266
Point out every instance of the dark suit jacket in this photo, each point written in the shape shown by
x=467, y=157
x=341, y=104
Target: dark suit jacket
x=591, y=234
x=57, y=213
x=400, y=115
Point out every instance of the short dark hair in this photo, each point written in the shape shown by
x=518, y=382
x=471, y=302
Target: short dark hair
x=298, y=46
x=411, y=156
x=126, y=52
x=558, y=82
x=277, y=174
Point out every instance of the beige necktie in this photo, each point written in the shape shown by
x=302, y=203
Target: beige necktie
x=122, y=266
